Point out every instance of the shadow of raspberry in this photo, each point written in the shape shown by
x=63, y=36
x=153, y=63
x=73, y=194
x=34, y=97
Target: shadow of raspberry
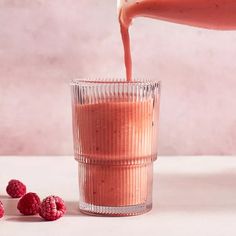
x=26, y=219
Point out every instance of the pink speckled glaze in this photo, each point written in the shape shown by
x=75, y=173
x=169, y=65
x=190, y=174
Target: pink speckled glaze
x=44, y=44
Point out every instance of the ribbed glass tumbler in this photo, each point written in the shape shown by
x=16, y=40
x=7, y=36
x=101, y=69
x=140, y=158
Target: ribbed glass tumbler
x=115, y=128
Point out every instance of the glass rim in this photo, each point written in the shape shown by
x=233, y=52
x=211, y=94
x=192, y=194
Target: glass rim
x=91, y=81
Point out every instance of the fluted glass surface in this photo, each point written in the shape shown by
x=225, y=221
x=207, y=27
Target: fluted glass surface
x=115, y=127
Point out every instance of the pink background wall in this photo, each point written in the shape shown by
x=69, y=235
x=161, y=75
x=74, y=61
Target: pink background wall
x=43, y=44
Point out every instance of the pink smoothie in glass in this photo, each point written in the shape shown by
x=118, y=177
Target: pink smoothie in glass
x=111, y=135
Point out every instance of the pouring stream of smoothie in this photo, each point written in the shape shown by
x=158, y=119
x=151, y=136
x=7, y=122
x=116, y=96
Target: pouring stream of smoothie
x=211, y=14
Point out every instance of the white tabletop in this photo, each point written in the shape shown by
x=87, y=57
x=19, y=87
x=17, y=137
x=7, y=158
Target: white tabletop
x=192, y=196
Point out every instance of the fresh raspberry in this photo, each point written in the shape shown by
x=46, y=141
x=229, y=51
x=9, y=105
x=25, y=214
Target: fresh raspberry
x=15, y=188
x=52, y=208
x=29, y=204
x=1, y=210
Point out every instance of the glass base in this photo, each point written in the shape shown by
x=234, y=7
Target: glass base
x=133, y=210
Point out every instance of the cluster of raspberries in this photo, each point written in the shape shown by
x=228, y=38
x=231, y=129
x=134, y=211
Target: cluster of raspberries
x=51, y=208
